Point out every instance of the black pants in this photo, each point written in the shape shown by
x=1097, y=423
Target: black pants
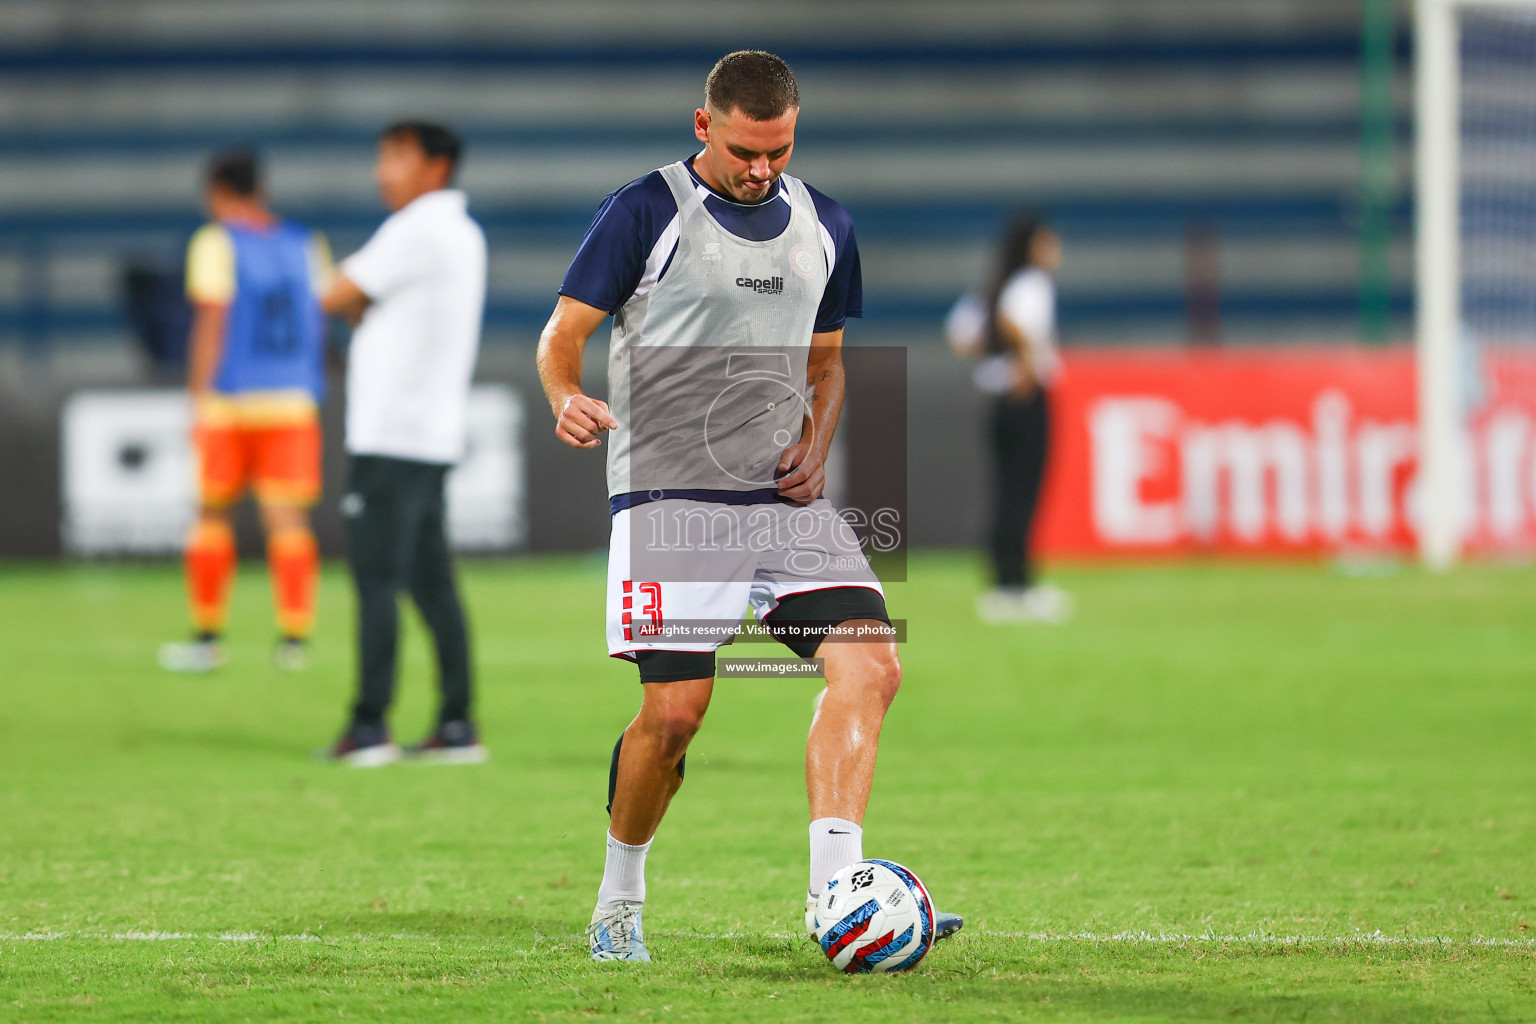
x=1019, y=432
x=397, y=533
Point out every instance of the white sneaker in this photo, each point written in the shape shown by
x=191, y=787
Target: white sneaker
x=194, y=656
x=1046, y=602
x=616, y=933
x=453, y=742
x=810, y=916
x=291, y=654
x=1043, y=603
x=362, y=746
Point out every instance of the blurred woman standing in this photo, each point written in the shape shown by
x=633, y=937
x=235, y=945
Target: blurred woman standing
x=1011, y=330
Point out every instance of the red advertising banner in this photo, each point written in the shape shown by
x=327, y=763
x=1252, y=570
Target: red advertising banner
x=1273, y=450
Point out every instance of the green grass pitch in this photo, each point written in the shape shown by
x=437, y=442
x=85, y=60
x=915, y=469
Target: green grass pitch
x=1225, y=792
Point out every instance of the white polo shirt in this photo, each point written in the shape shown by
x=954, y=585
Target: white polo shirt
x=414, y=352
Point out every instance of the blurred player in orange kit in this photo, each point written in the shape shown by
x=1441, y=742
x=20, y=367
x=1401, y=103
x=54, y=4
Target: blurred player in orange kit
x=255, y=377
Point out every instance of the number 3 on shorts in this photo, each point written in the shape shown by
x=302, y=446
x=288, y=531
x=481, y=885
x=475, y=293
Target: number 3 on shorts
x=651, y=609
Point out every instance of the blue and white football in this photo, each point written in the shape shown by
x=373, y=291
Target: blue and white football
x=874, y=916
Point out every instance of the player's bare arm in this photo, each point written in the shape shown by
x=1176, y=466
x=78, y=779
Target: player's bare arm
x=579, y=418
x=804, y=463
x=344, y=298
x=206, y=347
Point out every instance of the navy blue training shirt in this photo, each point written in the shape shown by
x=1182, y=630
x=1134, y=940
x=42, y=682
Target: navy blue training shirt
x=632, y=239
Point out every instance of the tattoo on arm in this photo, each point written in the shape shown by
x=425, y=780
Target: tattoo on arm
x=822, y=378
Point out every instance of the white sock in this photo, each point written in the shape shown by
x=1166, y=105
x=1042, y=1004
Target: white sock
x=623, y=873
x=835, y=843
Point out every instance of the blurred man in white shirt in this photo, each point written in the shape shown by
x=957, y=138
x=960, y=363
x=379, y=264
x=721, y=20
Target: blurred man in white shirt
x=416, y=293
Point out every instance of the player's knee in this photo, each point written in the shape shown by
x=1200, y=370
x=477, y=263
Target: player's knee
x=674, y=727
x=671, y=719
x=884, y=673
x=869, y=673
x=279, y=518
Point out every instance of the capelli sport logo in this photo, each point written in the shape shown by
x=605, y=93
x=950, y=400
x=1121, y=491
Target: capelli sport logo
x=762, y=285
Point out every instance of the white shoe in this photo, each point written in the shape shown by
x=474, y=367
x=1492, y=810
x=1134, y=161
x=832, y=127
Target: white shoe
x=1046, y=602
x=616, y=933
x=810, y=916
x=370, y=757
x=475, y=753
x=290, y=655
x=454, y=742
x=1042, y=603
x=194, y=656
x=362, y=746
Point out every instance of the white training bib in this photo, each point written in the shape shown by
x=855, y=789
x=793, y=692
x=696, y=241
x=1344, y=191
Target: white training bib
x=706, y=371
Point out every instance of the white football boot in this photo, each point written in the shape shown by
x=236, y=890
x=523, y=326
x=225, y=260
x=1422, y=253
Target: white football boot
x=616, y=932
x=193, y=656
x=1043, y=603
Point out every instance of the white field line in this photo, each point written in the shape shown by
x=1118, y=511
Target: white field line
x=1261, y=939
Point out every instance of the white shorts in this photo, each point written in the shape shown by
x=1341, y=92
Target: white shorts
x=682, y=573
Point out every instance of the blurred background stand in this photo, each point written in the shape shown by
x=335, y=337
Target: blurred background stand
x=158, y=315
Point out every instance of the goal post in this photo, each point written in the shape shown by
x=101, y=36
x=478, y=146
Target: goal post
x=1437, y=237
x=1443, y=337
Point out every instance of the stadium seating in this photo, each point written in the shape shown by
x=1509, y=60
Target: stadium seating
x=928, y=122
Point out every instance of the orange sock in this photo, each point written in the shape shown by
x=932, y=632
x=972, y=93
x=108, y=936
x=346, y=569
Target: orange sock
x=210, y=568
x=294, y=562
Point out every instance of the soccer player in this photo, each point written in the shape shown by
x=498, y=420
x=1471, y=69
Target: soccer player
x=416, y=291
x=729, y=283
x=255, y=376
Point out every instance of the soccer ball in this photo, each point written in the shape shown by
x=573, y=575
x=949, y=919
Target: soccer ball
x=874, y=916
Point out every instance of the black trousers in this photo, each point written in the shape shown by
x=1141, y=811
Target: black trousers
x=397, y=533
x=1019, y=435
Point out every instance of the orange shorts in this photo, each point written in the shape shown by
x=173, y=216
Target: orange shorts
x=280, y=462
